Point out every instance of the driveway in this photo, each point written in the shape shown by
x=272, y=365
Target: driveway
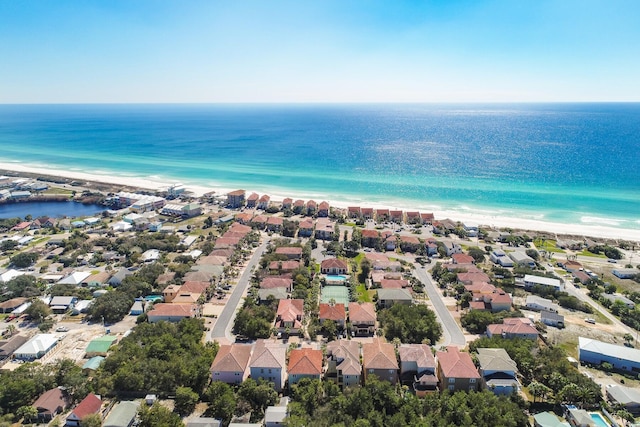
x=224, y=322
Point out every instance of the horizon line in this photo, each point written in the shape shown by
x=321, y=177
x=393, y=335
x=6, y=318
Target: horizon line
x=317, y=103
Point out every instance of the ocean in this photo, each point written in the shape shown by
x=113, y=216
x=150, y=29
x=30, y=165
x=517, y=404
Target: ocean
x=562, y=163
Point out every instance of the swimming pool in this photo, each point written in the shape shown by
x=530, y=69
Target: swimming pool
x=599, y=419
x=336, y=278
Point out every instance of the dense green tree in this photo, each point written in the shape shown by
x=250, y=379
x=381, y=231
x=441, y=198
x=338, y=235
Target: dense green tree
x=185, y=401
x=91, y=420
x=258, y=395
x=477, y=254
x=21, y=286
x=222, y=401
x=27, y=413
x=476, y=321
x=24, y=259
x=410, y=323
x=158, y=416
x=158, y=358
x=110, y=307
x=38, y=311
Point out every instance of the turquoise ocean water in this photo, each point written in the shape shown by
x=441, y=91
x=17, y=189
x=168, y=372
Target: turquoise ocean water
x=565, y=163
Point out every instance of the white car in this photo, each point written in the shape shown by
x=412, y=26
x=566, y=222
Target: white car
x=62, y=329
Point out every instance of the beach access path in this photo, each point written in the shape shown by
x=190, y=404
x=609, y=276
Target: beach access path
x=224, y=322
x=452, y=333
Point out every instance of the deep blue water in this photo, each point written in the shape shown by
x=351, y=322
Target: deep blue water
x=52, y=209
x=555, y=162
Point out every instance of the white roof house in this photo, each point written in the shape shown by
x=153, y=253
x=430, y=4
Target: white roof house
x=121, y=226
x=150, y=255
x=75, y=278
x=10, y=274
x=36, y=347
x=531, y=280
x=597, y=352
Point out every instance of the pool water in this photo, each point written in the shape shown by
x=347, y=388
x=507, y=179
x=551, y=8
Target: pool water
x=599, y=420
x=336, y=278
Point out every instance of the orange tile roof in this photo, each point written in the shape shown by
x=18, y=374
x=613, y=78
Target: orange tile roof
x=332, y=312
x=379, y=355
x=232, y=358
x=456, y=364
x=333, y=263
x=362, y=312
x=305, y=361
x=276, y=282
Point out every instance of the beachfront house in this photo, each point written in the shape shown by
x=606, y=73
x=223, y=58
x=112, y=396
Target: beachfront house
x=235, y=199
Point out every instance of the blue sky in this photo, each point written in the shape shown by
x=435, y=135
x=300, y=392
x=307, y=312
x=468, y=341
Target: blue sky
x=319, y=51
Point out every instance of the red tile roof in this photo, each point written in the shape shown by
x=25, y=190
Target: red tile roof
x=289, y=250
x=362, y=312
x=370, y=234
x=305, y=361
x=275, y=220
x=89, y=405
x=290, y=309
x=236, y=193
x=456, y=364
x=462, y=259
x=513, y=326
x=335, y=312
x=393, y=283
x=253, y=197
x=410, y=239
x=333, y=263
x=276, y=282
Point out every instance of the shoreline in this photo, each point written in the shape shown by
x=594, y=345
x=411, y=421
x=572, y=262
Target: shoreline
x=156, y=183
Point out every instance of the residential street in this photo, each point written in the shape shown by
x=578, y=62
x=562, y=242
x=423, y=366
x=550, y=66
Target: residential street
x=224, y=323
x=451, y=331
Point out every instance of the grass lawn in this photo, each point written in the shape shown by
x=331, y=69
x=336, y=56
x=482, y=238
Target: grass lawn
x=363, y=294
x=587, y=253
x=547, y=245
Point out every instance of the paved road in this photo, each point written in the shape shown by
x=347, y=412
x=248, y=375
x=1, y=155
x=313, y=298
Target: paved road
x=451, y=331
x=224, y=322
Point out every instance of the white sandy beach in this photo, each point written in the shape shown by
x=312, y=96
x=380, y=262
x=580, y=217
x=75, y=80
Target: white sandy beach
x=153, y=183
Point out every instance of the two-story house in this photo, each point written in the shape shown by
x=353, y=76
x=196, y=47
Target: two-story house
x=418, y=368
x=289, y=315
x=230, y=364
x=498, y=371
x=304, y=363
x=334, y=312
x=362, y=317
x=379, y=359
x=343, y=363
x=268, y=362
x=456, y=371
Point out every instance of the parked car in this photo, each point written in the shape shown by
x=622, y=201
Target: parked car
x=62, y=329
